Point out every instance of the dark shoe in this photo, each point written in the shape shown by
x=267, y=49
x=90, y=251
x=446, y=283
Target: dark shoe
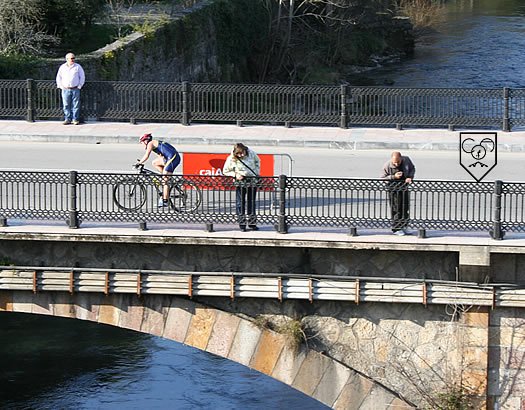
x=163, y=203
x=242, y=228
x=254, y=227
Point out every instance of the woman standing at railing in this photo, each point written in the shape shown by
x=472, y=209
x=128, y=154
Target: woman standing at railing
x=244, y=165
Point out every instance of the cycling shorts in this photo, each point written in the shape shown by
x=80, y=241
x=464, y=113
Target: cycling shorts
x=172, y=163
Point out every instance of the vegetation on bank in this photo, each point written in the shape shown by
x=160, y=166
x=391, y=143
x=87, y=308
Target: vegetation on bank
x=311, y=41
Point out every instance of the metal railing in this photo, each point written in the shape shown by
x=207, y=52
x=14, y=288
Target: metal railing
x=282, y=202
x=343, y=106
x=260, y=285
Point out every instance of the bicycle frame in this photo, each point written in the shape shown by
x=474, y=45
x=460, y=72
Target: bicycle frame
x=183, y=195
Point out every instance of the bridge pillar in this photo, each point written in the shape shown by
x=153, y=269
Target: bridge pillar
x=475, y=365
x=474, y=264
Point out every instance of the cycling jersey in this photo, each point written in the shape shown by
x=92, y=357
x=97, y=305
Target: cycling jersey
x=170, y=154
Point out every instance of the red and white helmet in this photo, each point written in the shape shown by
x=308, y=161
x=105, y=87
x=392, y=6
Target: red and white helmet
x=146, y=137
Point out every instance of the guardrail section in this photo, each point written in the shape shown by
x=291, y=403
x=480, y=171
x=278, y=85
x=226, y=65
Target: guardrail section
x=282, y=201
x=342, y=105
x=265, y=285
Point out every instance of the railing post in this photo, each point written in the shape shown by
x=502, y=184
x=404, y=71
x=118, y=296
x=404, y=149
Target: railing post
x=343, y=123
x=506, y=101
x=30, y=103
x=496, y=217
x=185, y=103
x=73, y=212
x=282, y=227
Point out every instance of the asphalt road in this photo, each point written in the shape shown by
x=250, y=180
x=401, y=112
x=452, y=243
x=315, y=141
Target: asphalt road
x=438, y=165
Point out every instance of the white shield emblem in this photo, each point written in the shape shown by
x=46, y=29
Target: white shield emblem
x=478, y=153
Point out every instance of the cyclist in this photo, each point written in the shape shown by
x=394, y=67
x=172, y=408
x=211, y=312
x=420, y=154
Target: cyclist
x=167, y=160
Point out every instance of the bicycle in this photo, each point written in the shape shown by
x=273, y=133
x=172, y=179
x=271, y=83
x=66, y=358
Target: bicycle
x=130, y=193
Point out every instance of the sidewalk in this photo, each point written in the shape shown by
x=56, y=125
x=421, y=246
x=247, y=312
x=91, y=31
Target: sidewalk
x=256, y=135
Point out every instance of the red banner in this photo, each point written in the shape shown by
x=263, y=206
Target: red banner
x=201, y=163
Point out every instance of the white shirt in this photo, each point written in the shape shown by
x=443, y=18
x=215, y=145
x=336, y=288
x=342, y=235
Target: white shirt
x=70, y=76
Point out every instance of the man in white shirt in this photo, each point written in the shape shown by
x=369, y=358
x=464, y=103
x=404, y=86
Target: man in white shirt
x=70, y=79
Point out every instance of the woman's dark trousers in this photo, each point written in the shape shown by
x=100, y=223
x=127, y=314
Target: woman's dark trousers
x=245, y=201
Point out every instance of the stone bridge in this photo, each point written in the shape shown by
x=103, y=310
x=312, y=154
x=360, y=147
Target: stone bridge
x=370, y=350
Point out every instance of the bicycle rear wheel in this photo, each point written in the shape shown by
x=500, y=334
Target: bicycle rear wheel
x=129, y=194
x=185, y=196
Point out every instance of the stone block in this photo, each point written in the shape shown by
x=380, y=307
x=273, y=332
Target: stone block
x=311, y=372
x=64, y=305
x=223, y=333
x=475, y=357
x=511, y=403
x=42, y=304
x=475, y=336
x=332, y=383
x=131, y=313
x=511, y=336
x=154, y=315
x=398, y=404
x=109, y=314
x=178, y=319
x=353, y=393
x=6, y=301
x=474, y=255
x=268, y=350
x=22, y=302
x=200, y=328
x=475, y=381
x=288, y=364
x=86, y=306
x=377, y=399
x=245, y=342
x=477, y=317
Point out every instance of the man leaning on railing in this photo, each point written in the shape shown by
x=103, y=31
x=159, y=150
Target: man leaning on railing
x=399, y=171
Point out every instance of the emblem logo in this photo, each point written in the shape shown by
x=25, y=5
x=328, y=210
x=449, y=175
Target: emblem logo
x=478, y=153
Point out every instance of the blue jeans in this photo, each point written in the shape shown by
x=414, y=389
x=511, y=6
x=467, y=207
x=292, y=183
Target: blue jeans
x=71, y=103
x=245, y=201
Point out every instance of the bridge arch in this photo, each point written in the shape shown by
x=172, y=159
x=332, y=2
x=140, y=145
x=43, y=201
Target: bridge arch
x=218, y=332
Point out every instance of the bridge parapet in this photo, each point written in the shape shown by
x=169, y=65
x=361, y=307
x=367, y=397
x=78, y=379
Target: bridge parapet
x=282, y=202
x=339, y=105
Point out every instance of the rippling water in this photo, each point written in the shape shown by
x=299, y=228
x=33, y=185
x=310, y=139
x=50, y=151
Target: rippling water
x=55, y=363
x=480, y=43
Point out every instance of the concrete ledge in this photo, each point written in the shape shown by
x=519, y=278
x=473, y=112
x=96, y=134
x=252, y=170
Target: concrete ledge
x=474, y=250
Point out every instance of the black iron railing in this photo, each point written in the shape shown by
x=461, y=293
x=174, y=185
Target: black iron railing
x=282, y=202
x=343, y=106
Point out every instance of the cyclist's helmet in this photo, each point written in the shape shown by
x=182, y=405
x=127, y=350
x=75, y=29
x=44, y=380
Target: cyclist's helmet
x=145, y=137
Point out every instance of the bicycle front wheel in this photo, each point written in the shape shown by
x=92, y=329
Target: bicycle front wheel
x=129, y=194
x=185, y=196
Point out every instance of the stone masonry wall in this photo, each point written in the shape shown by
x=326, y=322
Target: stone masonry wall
x=189, y=48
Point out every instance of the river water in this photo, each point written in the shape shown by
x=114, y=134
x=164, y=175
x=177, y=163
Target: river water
x=479, y=44
x=56, y=363
x=52, y=363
